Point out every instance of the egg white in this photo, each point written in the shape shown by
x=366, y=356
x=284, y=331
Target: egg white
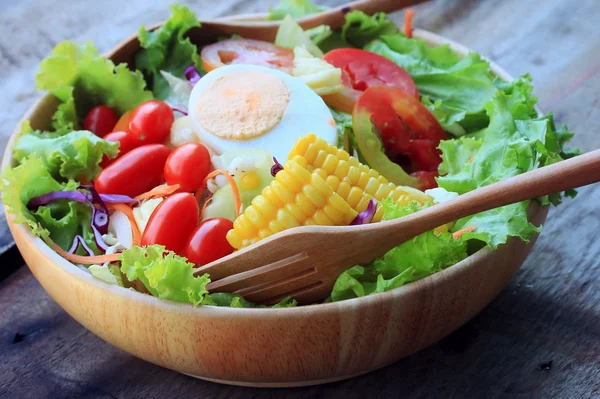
x=306, y=113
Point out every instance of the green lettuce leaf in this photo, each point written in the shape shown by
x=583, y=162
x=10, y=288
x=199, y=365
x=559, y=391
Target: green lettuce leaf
x=293, y=8
x=417, y=258
x=59, y=220
x=167, y=49
x=507, y=147
x=361, y=29
x=81, y=79
x=169, y=276
x=455, y=89
x=75, y=155
x=164, y=274
x=358, y=30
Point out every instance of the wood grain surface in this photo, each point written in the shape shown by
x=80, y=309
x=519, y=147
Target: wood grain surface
x=539, y=338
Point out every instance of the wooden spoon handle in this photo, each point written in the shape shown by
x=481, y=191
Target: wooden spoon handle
x=336, y=17
x=575, y=172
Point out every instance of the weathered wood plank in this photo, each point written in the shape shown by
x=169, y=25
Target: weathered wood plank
x=550, y=312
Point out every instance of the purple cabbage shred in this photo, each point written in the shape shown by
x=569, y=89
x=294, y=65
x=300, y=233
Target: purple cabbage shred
x=192, y=75
x=366, y=216
x=276, y=168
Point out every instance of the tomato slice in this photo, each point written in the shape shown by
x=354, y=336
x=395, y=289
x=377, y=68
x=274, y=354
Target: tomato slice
x=363, y=69
x=247, y=51
x=136, y=172
x=172, y=222
x=208, y=243
x=409, y=131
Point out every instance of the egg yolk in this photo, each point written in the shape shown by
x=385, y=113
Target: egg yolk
x=242, y=105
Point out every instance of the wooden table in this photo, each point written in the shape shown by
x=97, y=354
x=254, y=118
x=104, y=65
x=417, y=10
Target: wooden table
x=539, y=338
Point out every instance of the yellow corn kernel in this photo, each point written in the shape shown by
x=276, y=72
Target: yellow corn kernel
x=249, y=180
x=296, y=197
x=262, y=205
x=305, y=204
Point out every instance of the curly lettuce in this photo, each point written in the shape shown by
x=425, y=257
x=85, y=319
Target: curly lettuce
x=81, y=79
x=75, y=155
x=455, y=89
x=61, y=220
x=415, y=259
x=167, y=49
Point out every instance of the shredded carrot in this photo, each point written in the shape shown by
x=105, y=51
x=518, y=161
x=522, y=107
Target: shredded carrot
x=129, y=213
x=156, y=192
x=84, y=260
x=234, y=188
x=470, y=160
x=331, y=122
x=408, y=17
x=204, y=207
x=457, y=234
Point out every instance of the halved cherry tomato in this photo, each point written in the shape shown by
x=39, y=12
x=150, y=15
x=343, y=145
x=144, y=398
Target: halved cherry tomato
x=409, y=131
x=246, y=51
x=208, y=243
x=151, y=122
x=125, y=145
x=123, y=123
x=100, y=120
x=136, y=172
x=187, y=166
x=172, y=222
x=363, y=69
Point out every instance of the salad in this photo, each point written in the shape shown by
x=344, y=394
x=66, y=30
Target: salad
x=149, y=171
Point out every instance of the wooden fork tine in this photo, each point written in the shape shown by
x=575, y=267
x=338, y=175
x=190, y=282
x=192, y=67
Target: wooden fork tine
x=281, y=269
x=274, y=292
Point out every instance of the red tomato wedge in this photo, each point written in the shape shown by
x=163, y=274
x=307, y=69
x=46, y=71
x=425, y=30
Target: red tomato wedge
x=208, y=243
x=249, y=52
x=136, y=172
x=172, y=222
x=363, y=69
x=409, y=131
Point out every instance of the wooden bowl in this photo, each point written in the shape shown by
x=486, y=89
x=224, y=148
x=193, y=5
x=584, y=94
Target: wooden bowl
x=273, y=347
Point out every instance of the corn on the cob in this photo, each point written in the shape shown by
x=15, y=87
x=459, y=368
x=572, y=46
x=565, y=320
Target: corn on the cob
x=354, y=182
x=296, y=197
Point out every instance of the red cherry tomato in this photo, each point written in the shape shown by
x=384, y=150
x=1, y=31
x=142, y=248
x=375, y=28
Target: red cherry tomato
x=151, y=122
x=123, y=123
x=187, y=166
x=246, y=51
x=208, y=243
x=100, y=120
x=409, y=131
x=172, y=222
x=363, y=69
x=125, y=145
x=136, y=172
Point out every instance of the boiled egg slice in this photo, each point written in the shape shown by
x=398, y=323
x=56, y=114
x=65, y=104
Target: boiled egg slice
x=243, y=107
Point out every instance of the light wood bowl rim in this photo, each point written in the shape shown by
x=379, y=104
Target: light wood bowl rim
x=258, y=313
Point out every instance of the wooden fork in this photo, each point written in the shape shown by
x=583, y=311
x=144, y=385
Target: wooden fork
x=255, y=27
x=304, y=262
